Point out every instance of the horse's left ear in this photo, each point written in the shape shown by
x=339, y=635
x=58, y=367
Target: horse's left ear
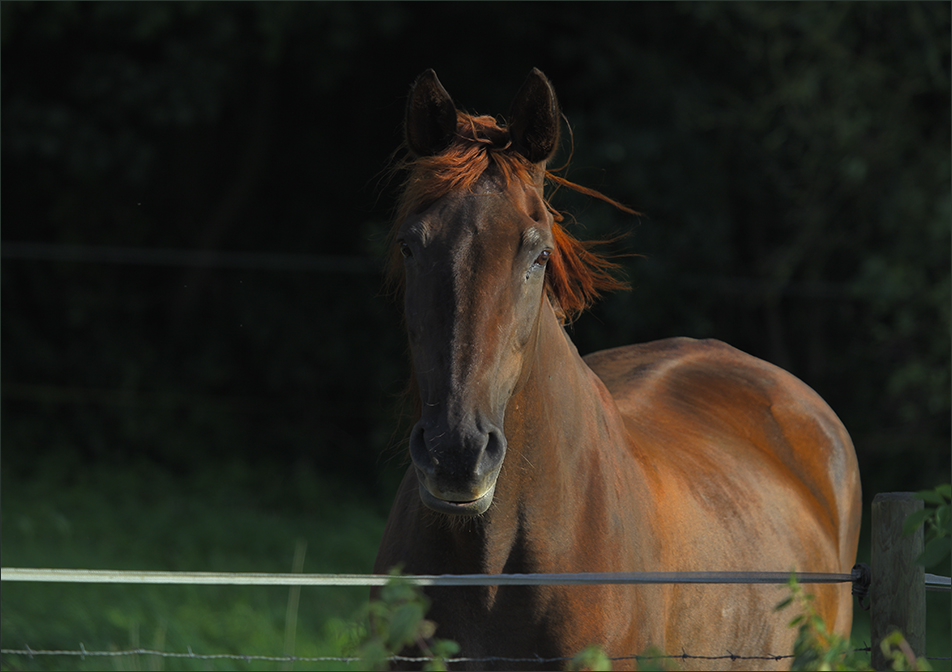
x=431, y=116
x=534, y=118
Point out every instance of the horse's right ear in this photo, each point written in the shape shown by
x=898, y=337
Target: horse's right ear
x=431, y=116
x=534, y=118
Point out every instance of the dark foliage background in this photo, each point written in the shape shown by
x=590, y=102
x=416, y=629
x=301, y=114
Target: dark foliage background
x=791, y=159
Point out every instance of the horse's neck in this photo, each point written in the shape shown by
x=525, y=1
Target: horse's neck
x=563, y=417
x=566, y=447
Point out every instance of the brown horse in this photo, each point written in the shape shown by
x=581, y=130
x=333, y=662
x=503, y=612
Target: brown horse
x=677, y=455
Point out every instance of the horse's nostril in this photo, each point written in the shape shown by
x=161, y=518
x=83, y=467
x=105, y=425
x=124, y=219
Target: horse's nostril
x=496, y=444
x=419, y=452
x=493, y=452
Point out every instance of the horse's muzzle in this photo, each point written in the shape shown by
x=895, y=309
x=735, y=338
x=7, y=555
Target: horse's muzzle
x=457, y=470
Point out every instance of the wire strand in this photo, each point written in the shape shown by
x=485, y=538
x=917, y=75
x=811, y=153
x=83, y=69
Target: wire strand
x=263, y=579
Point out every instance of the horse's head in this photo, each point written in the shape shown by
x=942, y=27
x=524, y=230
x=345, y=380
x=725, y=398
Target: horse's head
x=479, y=247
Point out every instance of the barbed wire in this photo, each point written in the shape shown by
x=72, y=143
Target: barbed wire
x=82, y=652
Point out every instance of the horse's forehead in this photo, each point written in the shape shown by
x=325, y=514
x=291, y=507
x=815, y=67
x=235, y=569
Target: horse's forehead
x=492, y=206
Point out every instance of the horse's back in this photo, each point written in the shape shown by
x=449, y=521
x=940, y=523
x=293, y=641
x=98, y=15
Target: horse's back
x=709, y=397
x=744, y=445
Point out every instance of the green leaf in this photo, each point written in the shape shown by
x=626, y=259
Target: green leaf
x=398, y=590
x=942, y=519
x=914, y=520
x=445, y=648
x=441, y=650
x=936, y=550
x=435, y=664
x=592, y=657
x=945, y=490
x=404, y=624
x=931, y=496
x=426, y=629
x=374, y=655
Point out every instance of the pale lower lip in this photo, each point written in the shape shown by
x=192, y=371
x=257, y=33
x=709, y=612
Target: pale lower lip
x=471, y=508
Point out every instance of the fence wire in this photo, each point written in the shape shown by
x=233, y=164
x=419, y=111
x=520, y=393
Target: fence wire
x=262, y=579
x=82, y=652
x=933, y=582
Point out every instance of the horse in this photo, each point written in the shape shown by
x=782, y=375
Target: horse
x=674, y=455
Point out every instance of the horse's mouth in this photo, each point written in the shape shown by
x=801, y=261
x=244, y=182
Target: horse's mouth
x=472, y=507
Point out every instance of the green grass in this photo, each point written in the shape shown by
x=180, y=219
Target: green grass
x=233, y=520
x=143, y=518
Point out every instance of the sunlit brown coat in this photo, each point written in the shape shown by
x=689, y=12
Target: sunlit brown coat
x=677, y=455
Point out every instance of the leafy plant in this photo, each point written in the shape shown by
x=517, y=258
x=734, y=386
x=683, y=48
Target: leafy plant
x=816, y=648
x=938, y=524
x=896, y=649
x=654, y=658
x=592, y=657
x=394, y=622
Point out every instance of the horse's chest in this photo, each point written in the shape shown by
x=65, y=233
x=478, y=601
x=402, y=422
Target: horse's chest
x=546, y=622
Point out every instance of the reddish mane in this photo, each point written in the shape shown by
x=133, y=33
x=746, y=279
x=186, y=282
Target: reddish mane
x=575, y=275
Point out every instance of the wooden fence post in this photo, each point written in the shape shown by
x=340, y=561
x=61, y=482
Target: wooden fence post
x=898, y=590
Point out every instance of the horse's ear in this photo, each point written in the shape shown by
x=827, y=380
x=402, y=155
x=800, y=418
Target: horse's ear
x=534, y=118
x=431, y=116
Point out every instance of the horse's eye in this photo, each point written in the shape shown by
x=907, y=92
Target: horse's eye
x=543, y=258
x=405, y=250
